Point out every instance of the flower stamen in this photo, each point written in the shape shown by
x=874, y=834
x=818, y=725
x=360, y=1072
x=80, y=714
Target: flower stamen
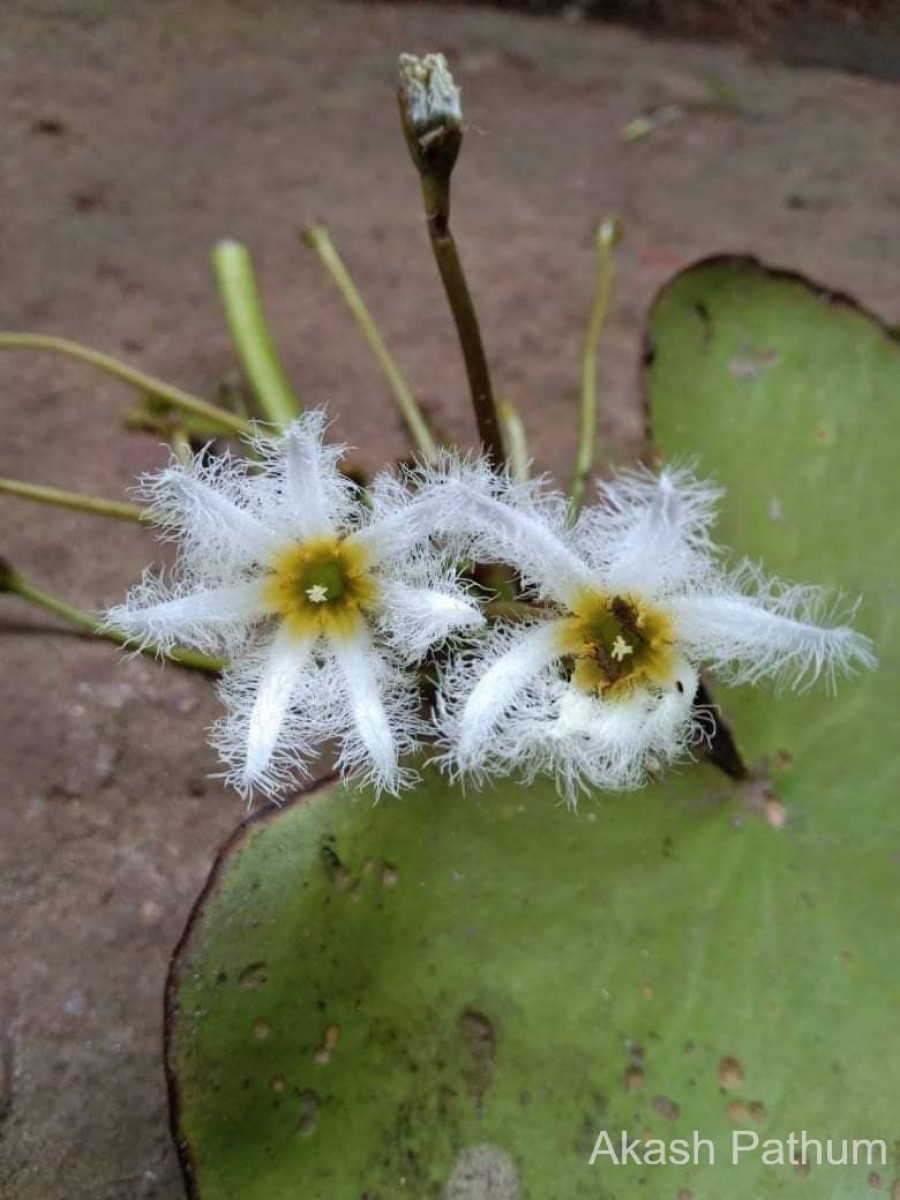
x=621, y=649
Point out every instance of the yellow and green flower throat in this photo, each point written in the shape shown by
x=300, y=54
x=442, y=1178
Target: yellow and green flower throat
x=322, y=586
x=615, y=643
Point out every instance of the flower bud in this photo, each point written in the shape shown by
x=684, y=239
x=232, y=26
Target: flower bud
x=430, y=112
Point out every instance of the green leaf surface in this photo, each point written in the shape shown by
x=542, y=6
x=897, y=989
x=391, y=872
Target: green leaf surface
x=416, y=997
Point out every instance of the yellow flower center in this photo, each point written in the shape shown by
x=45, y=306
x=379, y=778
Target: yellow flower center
x=322, y=586
x=615, y=642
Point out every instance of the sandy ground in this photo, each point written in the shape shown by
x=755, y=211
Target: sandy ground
x=135, y=136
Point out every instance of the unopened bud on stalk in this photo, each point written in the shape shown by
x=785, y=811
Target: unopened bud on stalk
x=432, y=125
x=430, y=112
x=610, y=233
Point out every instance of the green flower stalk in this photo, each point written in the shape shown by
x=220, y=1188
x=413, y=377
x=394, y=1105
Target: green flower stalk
x=431, y=117
x=252, y=336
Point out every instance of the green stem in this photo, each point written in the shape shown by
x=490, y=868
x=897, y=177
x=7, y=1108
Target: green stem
x=436, y=196
x=252, y=337
x=516, y=440
x=181, y=445
x=607, y=236
x=119, y=509
x=147, y=384
x=12, y=581
x=320, y=240
x=511, y=610
x=431, y=120
x=154, y=418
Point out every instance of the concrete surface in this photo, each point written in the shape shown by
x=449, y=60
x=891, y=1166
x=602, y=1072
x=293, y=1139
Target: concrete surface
x=133, y=137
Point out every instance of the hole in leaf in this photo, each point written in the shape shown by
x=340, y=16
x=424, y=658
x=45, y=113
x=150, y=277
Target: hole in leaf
x=336, y=871
x=481, y=1042
x=666, y=1108
x=634, y=1079
x=253, y=976
x=329, y=1040
x=309, y=1111
x=730, y=1072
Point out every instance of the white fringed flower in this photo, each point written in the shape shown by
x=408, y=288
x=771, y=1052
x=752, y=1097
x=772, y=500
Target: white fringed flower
x=319, y=601
x=598, y=685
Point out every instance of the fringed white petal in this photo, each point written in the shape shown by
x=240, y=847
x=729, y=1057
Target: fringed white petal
x=401, y=526
x=348, y=693
x=650, y=534
x=287, y=657
x=532, y=547
x=786, y=633
x=416, y=618
x=593, y=742
x=477, y=693
x=207, y=619
x=356, y=659
x=489, y=517
x=301, y=485
x=208, y=509
x=588, y=742
x=308, y=484
x=266, y=737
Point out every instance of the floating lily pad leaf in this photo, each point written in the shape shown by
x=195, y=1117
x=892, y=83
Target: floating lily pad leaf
x=416, y=997
x=789, y=396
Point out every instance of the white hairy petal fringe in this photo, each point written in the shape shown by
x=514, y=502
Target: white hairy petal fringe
x=207, y=507
x=380, y=722
x=421, y=599
x=416, y=618
x=649, y=534
x=348, y=693
x=790, y=633
x=286, y=656
x=407, y=526
x=300, y=484
x=239, y=738
x=490, y=518
x=479, y=689
x=677, y=498
x=587, y=742
x=208, y=619
x=391, y=524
